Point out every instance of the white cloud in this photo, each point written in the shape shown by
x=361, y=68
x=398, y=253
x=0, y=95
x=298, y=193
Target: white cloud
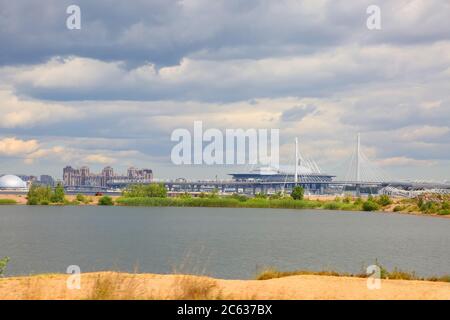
x=324, y=73
x=404, y=161
x=99, y=159
x=17, y=147
x=16, y=112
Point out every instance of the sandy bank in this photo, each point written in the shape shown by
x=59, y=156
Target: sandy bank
x=109, y=285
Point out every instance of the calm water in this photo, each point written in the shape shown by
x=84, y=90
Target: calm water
x=227, y=243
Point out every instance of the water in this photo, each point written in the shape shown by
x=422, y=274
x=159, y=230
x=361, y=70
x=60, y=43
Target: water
x=225, y=243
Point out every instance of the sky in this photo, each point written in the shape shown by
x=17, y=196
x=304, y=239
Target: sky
x=112, y=92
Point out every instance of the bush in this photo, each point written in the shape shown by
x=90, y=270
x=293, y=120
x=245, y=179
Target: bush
x=81, y=198
x=58, y=195
x=332, y=205
x=398, y=208
x=3, y=264
x=149, y=190
x=370, y=206
x=45, y=195
x=32, y=201
x=429, y=207
x=105, y=201
x=347, y=199
x=298, y=193
x=384, y=200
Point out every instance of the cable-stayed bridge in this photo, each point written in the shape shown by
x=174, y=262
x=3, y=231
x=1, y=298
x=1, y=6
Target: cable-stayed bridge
x=362, y=177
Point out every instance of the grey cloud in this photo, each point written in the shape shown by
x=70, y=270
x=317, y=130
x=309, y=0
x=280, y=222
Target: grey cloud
x=298, y=113
x=165, y=31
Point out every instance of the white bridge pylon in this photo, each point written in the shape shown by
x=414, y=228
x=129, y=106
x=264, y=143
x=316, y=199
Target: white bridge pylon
x=361, y=169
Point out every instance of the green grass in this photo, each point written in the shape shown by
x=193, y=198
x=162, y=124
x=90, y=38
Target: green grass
x=7, y=201
x=396, y=274
x=226, y=202
x=233, y=202
x=272, y=273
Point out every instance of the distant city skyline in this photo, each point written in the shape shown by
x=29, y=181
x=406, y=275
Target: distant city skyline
x=111, y=93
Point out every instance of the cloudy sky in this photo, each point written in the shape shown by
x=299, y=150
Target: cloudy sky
x=112, y=92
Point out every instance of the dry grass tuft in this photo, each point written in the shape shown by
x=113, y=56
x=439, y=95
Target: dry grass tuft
x=116, y=286
x=188, y=287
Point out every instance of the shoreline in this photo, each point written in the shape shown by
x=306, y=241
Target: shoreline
x=22, y=199
x=114, y=285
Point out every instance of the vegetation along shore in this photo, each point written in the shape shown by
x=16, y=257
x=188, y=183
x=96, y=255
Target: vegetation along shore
x=155, y=195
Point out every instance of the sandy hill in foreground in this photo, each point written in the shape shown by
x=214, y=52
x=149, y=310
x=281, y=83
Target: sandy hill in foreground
x=111, y=285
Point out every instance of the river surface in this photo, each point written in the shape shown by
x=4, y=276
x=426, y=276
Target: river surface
x=225, y=243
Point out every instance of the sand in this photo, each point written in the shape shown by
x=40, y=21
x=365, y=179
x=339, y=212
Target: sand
x=110, y=285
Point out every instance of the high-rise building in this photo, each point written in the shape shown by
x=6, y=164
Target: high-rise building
x=71, y=176
x=47, y=180
x=107, y=174
x=84, y=178
x=84, y=171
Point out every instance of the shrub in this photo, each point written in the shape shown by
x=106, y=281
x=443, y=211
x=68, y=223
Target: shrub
x=398, y=208
x=3, y=264
x=420, y=202
x=347, y=199
x=105, y=201
x=429, y=207
x=45, y=194
x=37, y=194
x=370, y=205
x=332, y=205
x=384, y=200
x=80, y=198
x=58, y=195
x=149, y=190
x=298, y=193
x=32, y=201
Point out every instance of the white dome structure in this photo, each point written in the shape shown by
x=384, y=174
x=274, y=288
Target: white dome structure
x=11, y=182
